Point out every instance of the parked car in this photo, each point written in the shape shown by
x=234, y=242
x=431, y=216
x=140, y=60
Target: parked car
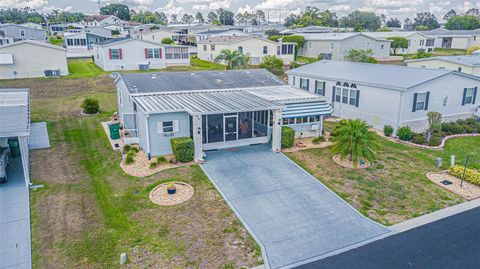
x=3, y=164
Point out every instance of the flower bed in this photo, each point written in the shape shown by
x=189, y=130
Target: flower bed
x=467, y=190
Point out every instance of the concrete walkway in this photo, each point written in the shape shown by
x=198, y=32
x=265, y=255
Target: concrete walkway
x=15, y=247
x=293, y=216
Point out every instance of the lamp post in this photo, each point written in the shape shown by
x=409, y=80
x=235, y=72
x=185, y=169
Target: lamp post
x=464, y=170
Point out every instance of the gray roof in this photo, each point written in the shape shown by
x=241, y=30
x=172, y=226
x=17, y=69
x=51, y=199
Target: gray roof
x=468, y=60
x=198, y=80
x=391, y=76
x=337, y=36
x=209, y=32
x=445, y=32
x=14, y=112
x=113, y=40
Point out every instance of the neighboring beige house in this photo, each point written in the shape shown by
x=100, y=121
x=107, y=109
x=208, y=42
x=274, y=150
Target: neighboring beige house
x=30, y=59
x=334, y=46
x=416, y=41
x=469, y=64
x=254, y=47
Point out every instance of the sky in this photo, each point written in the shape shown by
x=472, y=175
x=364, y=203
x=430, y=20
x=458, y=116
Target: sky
x=276, y=9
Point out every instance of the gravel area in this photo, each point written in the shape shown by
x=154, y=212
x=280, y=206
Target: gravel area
x=141, y=166
x=306, y=143
x=160, y=196
x=468, y=191
x=348, y=164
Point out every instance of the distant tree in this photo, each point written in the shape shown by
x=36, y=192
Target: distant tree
x=272, y=32
x=240, y=19
x=274, y=38
x=273, y=64
x=383, y=29
x=367, y=20
x=212, y=16
x=422, y=54
x=398, y=43
x=407, y=24
x=119, y=10
x=312, y=16
x=162, y=18
x=421, y=28
x=173, y=18
x=154, y=27
x=187, y=19
x=463, y=23
x=290, y=20
x=473, y=12
x=383, y=19
x=357, y=28
x=148, y=17
x=14, y=15
x=449, y=14
x=57, y=16
x=233, y=58
x=394, y=22
x=260, y=17
x=199, y=17
x=360, y=56
x=225, y=17
x=167, y=41
x=426, y=19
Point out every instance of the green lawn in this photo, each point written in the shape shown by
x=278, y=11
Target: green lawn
x=90, y=211
x=395, y=187
x=85, y=68
x=448, y=52
x=56, y=41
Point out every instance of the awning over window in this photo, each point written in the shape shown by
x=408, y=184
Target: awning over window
x=304, y=109
x=6, y=58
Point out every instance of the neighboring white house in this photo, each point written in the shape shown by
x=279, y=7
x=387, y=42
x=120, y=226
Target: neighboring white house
x=102, y=20
x=136, y=54
x=214, y=33
x=254, y=47
x=19, y=32
x=95, y=30
x=416, y=41
x=80, y=44
x=335, y=46
x=156, y=35
x=185, y=34
x=389, y=94
x=32, y=25
x=29, y=59
x=454, y=39
x=59, y=28
x=468, y=64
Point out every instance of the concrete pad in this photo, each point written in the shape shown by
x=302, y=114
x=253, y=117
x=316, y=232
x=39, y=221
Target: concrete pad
x=292, y=215
x=38, y=138
x=15, y=244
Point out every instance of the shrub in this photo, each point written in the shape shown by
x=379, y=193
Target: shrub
x=387, y=130
x=153, y=164
x=471, y=175
x=126, y=148
x=404, y=133
x=161, y=159
x=183, y=149
x=435, y=140
x=288, y=137
x=132, y=151
x=318, y=140
x=90, y=105
x=129, y=159
x=167, y=41
x=273, y=64
x=418, y=139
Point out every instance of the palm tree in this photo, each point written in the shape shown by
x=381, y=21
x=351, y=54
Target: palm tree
x=355, y=140
x=234, y=59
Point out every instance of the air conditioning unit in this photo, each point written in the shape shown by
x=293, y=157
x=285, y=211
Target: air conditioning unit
x=477, y=112
x=143, y=66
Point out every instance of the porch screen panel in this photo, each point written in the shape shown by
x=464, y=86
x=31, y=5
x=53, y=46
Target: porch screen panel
x=245, y=125
x=215, y=128
x=260, y=123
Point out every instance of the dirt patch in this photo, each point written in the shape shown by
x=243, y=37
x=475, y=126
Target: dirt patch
x=345, y=162
x=468, y=190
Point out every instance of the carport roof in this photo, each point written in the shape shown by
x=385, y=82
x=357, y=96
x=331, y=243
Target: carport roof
x=14, y=112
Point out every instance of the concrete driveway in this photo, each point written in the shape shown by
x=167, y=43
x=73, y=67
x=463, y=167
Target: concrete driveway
x=293, y=216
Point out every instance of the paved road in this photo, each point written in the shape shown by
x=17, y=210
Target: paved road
x=291, y=213
x=453, y=242
x=15, y=247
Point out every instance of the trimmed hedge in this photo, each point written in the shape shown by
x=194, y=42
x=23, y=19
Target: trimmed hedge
x=387, y=130
x=404, y=133
x=288, y=137
x=183, y=149
x=471, y=175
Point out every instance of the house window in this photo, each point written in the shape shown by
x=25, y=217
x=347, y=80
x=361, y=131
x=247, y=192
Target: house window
x=382, y=46
x=212, y=47
x=265, y=49
x=368, y=44
x=167, y=126
x=240, y=49
x=332, y=45
x=287, y=49
x=320, y=87
x=69, y=42
x=469, y=95
x=421, y=102
x=204, y=47
x=2, y=33
x=338, y=94
x=293, y=80
x=304, y=84
x=353, y=97
x=22, y=32
x=459, y=69
x=176, y=53
x=430, y=42
x=153, y=53
x=345, y=95
x=115, y=54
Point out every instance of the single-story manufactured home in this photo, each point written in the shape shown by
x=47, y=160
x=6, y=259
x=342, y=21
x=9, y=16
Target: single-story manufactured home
x=79, y=45
x=217, y=109
x=468, y=64
x=454, y=39
x=254, y=47
x=137, y=54
x=388, y=94
x=416, y=40
x=335, y=46
x=31, y=59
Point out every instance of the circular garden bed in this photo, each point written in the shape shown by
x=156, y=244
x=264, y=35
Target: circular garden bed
x=160, y=196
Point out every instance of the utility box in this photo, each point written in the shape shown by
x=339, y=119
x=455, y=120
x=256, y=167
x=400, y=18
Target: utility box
x=14, y=146
x=438, y=162
x=114, y=129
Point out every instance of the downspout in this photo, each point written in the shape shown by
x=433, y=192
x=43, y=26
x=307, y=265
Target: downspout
x=148, y=136
x=400, y=110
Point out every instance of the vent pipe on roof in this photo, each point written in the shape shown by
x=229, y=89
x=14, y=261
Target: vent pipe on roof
x=154, y=76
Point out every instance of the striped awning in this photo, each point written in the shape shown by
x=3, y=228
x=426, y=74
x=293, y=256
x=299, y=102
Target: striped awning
x=304, y=109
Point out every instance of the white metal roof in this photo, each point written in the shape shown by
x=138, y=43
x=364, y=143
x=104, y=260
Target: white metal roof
x=14, y=112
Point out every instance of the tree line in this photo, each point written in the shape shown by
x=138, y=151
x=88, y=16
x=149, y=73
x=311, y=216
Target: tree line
x=311, y=16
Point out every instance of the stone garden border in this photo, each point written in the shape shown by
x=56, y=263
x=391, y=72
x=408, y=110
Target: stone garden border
x=439, y=147
x=160, y=196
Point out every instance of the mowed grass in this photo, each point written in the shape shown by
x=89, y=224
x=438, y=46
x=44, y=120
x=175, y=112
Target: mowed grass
x=90, y=211
x=395, y=187
x=448, y=52
x=57, y=41
x=85, y=68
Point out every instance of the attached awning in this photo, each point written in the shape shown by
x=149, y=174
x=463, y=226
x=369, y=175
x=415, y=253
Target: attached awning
x=305, y=109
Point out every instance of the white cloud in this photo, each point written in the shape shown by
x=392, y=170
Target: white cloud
x=172, y=7
x=391, y=4
x=35, y=4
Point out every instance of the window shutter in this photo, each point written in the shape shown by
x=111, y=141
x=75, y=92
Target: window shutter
x=110, y=54
x=464, y=96
x=160, y=127
x=175, y=126
x=316, y=87
x=146, y=53
x=308, y=85
x=160, y=52
x=120, y=54
x=358, y=98
x=427, y=98
x=333, y=94
x=414, y=108
x=324, y=88
x=475, y=95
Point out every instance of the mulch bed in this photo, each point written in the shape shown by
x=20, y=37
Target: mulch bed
x=468, y=191
x=141, y=166
x=306, y=143
x=160, y=196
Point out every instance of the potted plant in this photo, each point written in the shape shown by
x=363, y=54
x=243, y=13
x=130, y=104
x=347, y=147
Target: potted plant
x=171, y=189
